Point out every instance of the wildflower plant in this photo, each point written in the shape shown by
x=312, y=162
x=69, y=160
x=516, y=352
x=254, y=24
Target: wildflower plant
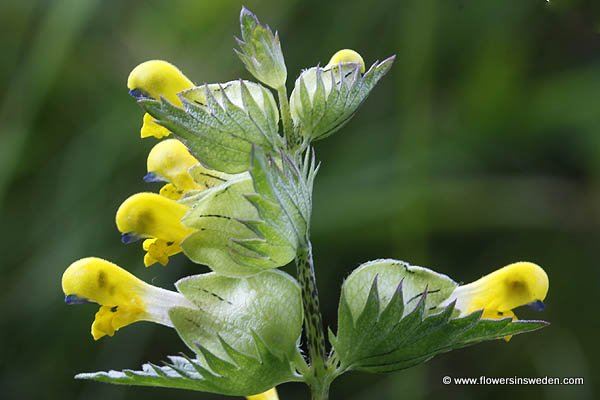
x=238, y=166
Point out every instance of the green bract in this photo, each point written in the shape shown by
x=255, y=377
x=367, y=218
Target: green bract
x=234, y=309
x=243, y=334
x=324, y=99
x=260, y=51
x=385, y=322
x=389, y=274
x=252, y=221
x=245, y=375
x=221, y=122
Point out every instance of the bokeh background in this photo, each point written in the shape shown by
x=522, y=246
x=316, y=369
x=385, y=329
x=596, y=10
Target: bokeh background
x=481, y=147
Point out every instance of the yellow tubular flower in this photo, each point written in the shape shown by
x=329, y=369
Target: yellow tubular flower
x=270, y=394
x=347, y=56
x=149, y=215
x=156, y=78
x=123, y=298
x=498, y=293
x=169, y=161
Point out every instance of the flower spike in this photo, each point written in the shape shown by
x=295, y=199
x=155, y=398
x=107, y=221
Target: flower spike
x=498, y=293
x=169, y=161
x=123, y=298
x=156, y=79
x=347, y=56
x=156, y=218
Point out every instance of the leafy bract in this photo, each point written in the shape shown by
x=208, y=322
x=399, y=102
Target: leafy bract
x=244, y=336
x=234, y=309
x=260, y=51
x=207, y=179
x=385, y=322
x=252, y=221
x=216, y=215
x=219, y=123
x=325, y=98
x=390, y=273
x=246, y=375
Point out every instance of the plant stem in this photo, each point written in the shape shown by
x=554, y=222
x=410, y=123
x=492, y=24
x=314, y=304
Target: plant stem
x=320, y=390
x=286, y=117
x=313, y=324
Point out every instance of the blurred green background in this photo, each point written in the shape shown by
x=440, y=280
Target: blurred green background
x=481, y=147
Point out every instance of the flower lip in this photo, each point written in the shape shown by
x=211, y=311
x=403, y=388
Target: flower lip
x=139, y=94
x=74, y=299
x=537, y=305
x=129, y=237
x=154, y=177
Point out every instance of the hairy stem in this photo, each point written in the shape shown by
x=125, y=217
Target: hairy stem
x=320, y=390
x=286, y=117
x=313, y=324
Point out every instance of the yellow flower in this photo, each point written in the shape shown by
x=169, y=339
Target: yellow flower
x=270, y=394
x=169, y=161
x=498, y=293
x=347, y=56
x=156, y=79
x=155, y=217
x=123, y=298
x=150, y=128
x=159, y=251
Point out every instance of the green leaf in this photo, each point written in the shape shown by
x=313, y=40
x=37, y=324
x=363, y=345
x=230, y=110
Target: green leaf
x=246, y=375
x=260, y=51
x=233, y=309
x=220, y=123
x=384, y=326
x=252, y=222
x=325, y=98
